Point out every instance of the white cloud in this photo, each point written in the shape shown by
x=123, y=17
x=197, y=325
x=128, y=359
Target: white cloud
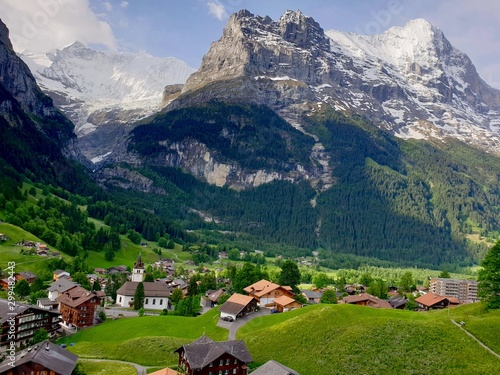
x=217, y=10
x=42, y=25
x=108, y=6
x=124, y=4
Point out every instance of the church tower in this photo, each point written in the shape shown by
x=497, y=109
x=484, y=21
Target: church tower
x=138, y=271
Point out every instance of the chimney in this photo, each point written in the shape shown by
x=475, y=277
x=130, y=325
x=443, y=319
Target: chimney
x=47, y=348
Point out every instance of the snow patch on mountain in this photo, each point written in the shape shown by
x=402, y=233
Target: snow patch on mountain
x=87, y=84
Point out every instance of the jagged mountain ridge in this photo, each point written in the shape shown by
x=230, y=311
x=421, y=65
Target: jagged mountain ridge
x=89, y=85
x=409, y=80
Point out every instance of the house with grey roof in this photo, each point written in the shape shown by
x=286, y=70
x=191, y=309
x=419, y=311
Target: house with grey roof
x=205, y=356
x=274, y=368
x=58, y=287
x=43, y=358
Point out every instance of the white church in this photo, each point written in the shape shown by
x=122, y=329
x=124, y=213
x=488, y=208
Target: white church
x=156, y=295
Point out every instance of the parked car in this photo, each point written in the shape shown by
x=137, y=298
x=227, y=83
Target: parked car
x=228, y=318
x=274, y=311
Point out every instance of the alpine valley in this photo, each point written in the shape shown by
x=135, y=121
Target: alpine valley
x=380, y=149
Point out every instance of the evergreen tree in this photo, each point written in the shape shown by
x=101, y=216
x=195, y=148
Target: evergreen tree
x=176, y=296
x=489, y=278
x=290, y=275
x=22, y=288
x=139, y=297
x=96, y=286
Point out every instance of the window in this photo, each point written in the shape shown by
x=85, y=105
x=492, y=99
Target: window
x=228, y=361
x=235, y=361
x=220, y=372
x=120, y=299
x=154, y=301
x=147, y=301
x=161, y=301
x=221, y=362
x=226, y=372
x=235, y=370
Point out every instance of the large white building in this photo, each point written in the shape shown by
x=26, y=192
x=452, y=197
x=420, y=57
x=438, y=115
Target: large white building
x=464, y=290
x=156, y=295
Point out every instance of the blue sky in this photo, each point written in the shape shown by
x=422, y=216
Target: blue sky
x=185, y=28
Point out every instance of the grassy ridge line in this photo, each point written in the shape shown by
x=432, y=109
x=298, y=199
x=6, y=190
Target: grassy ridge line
x=340, y=339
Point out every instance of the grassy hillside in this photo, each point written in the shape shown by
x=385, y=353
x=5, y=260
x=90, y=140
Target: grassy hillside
x=317, y=340
x=149, y=340
x=342, y=339
x=9, y=252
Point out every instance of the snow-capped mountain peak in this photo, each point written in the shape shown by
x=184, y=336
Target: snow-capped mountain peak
x=409, y=80
x=83, y=81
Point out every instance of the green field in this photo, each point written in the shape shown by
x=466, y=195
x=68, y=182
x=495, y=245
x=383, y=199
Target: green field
x=9, y=252
x=149, y=340
x=107, y=367
x=315, y=340
x=345, y=339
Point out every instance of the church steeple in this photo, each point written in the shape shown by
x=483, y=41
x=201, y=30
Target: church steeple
x=138, y=271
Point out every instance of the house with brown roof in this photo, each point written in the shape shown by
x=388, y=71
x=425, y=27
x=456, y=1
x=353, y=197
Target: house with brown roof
x=237, y=306
x=285, y=303
x=366, y=299
x=205, y=356
x=265, y=292
x=77, y=306
x=44, y=358
x=432, y=301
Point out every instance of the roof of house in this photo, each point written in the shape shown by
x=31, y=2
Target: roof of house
x=6, y=310
x=312, y=294
x=61, y=285
x=58, y=272
x=46, y=302
x=398, y=301
x=430, y=299
x=46, y=354
x=75, y=297
x=284, y=301
x=204, y=351
x=362, y=297
x=27, y=275
x=151, y=289
x=274, y=368
x=214, y=295
x=235, y=304
x=261, y=288
x=165, y=371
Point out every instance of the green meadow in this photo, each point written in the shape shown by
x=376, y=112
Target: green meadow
x=315, y=340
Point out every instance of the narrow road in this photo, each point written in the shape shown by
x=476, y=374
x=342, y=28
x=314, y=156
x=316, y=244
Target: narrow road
x=234, y=326
x=475, y=338
x=141, y=370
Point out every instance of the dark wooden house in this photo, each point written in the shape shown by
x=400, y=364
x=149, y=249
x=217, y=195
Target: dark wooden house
x=23, y=321
x=44, y=358
x=207, y=357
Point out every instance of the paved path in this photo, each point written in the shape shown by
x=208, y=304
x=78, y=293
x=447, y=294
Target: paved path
x=234, y=326
x=475, y=338
x=141, y=370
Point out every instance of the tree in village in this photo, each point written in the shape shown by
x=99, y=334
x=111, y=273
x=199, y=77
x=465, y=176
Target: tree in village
x=290, y=275
x=489, y=278
x=321, y=280
x=406, y=282
x=96, y=286
x=329, y=296
x=176, y=296
x=444, y=274
x=192, y=289
x=81, y=278
x=139, y=297
x=22, y=288
x=39, y=336
x=378, y=288
x=37, y=285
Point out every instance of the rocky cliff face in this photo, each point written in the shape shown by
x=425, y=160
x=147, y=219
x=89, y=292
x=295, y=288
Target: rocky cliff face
x=22, y=97
x=409, y=80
